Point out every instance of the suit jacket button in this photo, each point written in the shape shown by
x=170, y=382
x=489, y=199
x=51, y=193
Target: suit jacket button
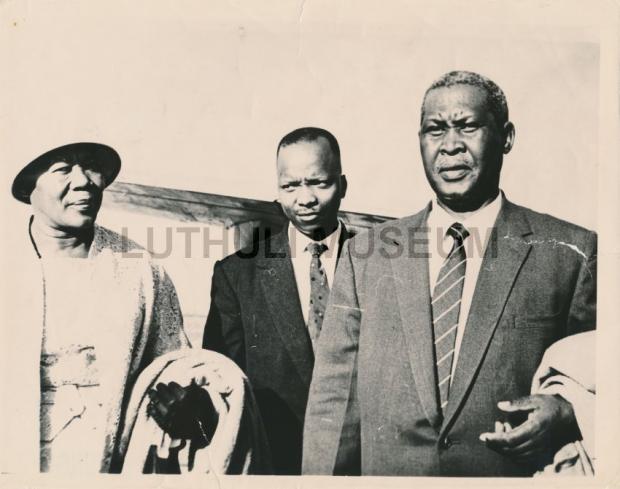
x=446, y=443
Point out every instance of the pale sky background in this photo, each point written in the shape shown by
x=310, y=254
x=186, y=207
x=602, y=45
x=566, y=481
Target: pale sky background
x=196, y=94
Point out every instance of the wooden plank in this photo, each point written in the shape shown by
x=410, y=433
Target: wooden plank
x=189, y=206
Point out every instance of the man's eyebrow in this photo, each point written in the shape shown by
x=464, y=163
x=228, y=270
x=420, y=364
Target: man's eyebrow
x=434, y=120
x=459, y=121
x=435, y=117
x=464, y=118
x=318, y=178
x=288, y=181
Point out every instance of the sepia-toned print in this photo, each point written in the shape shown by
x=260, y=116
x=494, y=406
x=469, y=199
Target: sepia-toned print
x=330, y=240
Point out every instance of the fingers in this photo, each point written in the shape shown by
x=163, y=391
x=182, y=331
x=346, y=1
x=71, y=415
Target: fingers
x=177, y=391
x=517, y=447
x=528, y=441
x=500, y=427
x=164, y=400
x=183, y=412
x=527, y=448
x=510, y=439
x=531, y=449
x=170, y=393
x=158, y=403
x=157, y=410
x=526, y=403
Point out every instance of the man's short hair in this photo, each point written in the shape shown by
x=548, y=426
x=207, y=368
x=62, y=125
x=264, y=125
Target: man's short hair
x=310, y=134
x=496, y=100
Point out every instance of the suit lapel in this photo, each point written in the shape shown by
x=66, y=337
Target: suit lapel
x=279, y=288
x=344, y=235
x=410, y=269
x=504, y=256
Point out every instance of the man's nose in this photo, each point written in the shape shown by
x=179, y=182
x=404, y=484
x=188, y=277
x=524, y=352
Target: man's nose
x=79, y=177
x=452, y=142
x=305, y=196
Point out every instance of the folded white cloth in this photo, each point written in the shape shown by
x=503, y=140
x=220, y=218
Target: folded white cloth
x=568, y=369
x=239, y=445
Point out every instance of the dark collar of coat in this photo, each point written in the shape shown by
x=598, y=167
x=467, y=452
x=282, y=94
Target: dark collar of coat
x=276, y=246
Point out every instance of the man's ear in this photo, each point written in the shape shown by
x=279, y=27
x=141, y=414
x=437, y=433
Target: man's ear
x=343, y=186
x=509, y=136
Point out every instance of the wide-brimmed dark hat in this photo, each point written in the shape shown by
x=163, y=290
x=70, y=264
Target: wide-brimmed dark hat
x=106, y=158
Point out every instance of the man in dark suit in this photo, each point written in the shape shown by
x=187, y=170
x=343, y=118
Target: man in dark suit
x=435, y=328
x=267, y=304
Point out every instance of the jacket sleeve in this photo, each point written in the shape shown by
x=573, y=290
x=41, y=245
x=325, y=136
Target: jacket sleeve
x=166, y=332
x=224, y=327
x=582, y=310
x=332, y=425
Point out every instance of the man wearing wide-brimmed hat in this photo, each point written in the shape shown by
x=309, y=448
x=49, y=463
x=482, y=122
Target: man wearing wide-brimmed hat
x=84, y=327
x=64, y=187
x=95, y=370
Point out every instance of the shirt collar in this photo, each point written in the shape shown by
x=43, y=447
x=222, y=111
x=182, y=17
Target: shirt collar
x=481, y=220
x=298, y=241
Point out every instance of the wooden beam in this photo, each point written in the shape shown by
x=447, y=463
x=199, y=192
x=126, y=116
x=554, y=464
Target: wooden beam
x=188, y=206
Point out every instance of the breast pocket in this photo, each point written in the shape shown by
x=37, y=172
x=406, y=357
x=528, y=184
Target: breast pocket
x=551, y=321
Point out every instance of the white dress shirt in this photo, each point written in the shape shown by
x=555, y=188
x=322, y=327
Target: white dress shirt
x=479, y=224
x=301, y=262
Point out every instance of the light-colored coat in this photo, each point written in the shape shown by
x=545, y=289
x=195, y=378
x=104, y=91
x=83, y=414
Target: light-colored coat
x=138, y=313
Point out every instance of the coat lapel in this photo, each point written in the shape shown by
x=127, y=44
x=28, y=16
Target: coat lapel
x=504, y=256
x=279, y=288
x=344, y=235
x=410, y=269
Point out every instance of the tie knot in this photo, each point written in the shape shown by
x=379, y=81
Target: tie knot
x=316, y=249
x=458, y=232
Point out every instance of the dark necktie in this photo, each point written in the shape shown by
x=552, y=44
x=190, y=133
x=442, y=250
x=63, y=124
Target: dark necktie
x=446, y=305
x=319, y=291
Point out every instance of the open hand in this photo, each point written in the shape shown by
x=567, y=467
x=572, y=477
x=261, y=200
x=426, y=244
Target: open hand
x=550, y=424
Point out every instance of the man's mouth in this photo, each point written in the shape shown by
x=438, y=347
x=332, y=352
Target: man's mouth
x=82, y=204
x=307, y=216
x=454, y=172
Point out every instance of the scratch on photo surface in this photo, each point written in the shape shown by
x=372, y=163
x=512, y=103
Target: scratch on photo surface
x=553, y=242
x=302, y=7
x=342, y=306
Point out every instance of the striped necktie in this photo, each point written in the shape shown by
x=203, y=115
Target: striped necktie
x=446, y=305
x=319, y=291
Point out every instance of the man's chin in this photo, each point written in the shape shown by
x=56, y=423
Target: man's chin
x=81, y=223
x=463, y=202
x=458, y=198
x=307, y=229
x=316, y=231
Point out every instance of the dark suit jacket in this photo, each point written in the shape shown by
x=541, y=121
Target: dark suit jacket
x=256, y=319
x=373, y=404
